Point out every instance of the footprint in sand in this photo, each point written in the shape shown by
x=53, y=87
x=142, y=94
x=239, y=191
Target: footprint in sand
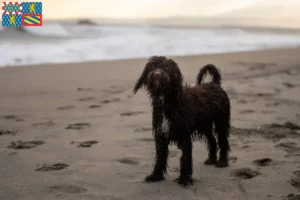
x=114, y=91
x=268, y=111
x=247, y=111
x=289, y=147
x=245, y=147
x=78, y=126
x=68, y=107
x=146, y=139
x=12, y=117
x=242, y=101
x=297, y=173
x=232, y=159
x=51, y=167
x=133, y=113
x=25, y=144
x=47, y=123
x=272, y=104
x=12, y=153
x=128, y=161
x=288, y=85
x=95, y=106
x=293, y=197
x=264, y=95
x=174, y=169
x=7, y=132
x=106, y=101
x=292, y=155
x=89, y=143
x=295, y=182
x=245, y=173
x=143, y=129
x=86, y=99
x=65, y=188
x=173, y=153
x=287, y=125
x=262, y=162
x=84, y=89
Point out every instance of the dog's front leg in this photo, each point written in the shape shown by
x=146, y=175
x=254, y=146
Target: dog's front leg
x=186, y=162
x=161, y=158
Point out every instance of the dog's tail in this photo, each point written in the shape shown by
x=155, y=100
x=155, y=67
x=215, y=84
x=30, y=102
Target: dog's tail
x=212, y=70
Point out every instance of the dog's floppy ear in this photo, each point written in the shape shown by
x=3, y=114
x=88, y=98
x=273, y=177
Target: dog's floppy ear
x=177, y=78
x=141, y=82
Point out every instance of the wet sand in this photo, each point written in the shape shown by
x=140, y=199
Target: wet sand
x=76, y=131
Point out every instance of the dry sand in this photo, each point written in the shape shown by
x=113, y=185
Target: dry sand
x=75, y=131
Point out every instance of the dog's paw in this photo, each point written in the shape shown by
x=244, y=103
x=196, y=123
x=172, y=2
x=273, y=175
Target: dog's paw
x=184, y=181
x=154, y=178
x=222, y=164
x=210, y=161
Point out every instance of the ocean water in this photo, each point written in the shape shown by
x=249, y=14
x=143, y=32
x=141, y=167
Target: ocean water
x=63, y=43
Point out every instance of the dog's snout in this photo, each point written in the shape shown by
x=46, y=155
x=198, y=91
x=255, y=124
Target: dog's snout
x=157, y=75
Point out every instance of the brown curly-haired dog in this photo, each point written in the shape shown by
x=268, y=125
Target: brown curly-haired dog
x=183, y=113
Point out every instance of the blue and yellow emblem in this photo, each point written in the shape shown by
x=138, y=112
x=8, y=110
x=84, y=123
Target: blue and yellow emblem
x=32, y=8
x=22, y=14
x=32, y=20
x=11, y=20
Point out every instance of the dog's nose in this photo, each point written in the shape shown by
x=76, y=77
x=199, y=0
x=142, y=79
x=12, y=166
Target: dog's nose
x=157, y=75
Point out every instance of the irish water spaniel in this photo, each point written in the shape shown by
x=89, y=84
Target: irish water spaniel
x=182, y=113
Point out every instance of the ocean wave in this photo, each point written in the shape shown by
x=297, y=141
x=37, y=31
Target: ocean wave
x=47, y=30
x=94, y=43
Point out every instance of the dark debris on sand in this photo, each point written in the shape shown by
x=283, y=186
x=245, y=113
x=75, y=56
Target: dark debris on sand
x=295, y=182
x=245, y=173
x=106, y=101
x=78, y=126
x=95, y=106
x=7, y=132
x=12, y=117
x=84, y=89
x=287, y=125
x=25, y=144
x=51, y=167
x=292, y=197
x=86, y=99
x=289, y=147
x=86, y=143
x=66, y=107
x=288, y=84
x=272, y=132
x=233, y=159
x=133, y=113
x=262, y=162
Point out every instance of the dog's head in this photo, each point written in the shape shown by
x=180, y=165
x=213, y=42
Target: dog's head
x=160, y=76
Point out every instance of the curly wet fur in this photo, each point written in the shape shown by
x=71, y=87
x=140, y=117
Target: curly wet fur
x=183, y=113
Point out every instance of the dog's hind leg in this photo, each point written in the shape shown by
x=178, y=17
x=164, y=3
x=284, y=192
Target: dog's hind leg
x=222, y=128
x=186, y=162
x=161, y=159
x=211, y=146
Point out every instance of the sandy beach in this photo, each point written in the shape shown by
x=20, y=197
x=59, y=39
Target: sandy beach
x=76, y=131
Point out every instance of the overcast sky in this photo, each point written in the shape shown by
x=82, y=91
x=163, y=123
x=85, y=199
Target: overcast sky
x=139, y=8
x=148, y=8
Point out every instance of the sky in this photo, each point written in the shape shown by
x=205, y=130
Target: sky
x=139, y=8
